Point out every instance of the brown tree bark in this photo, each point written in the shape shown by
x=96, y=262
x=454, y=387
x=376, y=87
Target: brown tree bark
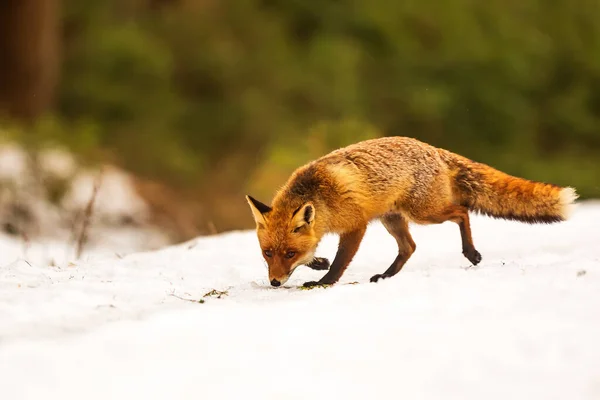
x=29, y=56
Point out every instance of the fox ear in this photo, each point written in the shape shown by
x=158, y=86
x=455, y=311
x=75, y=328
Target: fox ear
x=258, y=209
x=304, y=215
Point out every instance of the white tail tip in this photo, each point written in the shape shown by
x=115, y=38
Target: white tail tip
x=568, y=196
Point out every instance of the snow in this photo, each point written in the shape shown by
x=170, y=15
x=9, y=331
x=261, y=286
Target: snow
x=116, y=197
x=13, y=161
x=58, y=163
x=523, y=324
x=121, y=220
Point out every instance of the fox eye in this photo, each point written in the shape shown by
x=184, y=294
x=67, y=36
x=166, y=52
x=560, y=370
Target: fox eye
x=268, y=253
x=290, y=254
x=297, y=229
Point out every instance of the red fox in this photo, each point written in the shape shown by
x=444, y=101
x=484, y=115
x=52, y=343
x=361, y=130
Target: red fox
x=396, y=180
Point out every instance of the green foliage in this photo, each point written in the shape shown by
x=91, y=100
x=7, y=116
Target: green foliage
x=286, y=153
x=181, y=91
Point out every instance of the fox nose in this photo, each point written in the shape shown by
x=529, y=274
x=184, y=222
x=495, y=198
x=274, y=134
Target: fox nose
x=275, y=282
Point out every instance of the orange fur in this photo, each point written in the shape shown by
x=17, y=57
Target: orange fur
x=396, y=180
x=484, y=189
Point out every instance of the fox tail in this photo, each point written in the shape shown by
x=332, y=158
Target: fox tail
x=488, y=191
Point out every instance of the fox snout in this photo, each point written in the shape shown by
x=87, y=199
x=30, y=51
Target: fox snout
x=281, y=280
x=278, y=274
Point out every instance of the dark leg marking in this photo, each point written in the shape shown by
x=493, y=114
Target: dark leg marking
x=319, y=264
x=347, y=248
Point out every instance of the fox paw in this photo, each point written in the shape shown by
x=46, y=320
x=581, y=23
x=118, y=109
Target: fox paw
x=473, y=256
x=313, y=284
x=310, y=284
x=319, y=264
x=377, y=277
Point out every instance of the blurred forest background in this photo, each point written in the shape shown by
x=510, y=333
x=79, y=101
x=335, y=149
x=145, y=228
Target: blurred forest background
x=204, y=101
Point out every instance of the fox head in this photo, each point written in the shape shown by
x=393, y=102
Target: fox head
x=286, y=237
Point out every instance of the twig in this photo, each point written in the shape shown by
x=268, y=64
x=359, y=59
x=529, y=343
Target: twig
x=26, y=243
x=216, y=293
x=89, y=210
x=183, y=298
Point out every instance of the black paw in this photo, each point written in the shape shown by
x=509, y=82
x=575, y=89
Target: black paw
x=377, y=277
x=310, y=284
x=313, y=284
x=473, y=256
x=319, y=264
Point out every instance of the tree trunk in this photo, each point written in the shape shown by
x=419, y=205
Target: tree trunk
x=29, y=56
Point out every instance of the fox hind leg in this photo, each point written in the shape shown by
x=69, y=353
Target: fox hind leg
x=467, y=241
x=460, y=216
x=397, y=226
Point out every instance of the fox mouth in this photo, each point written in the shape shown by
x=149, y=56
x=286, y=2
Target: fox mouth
x=278, y=283
x=283, y=280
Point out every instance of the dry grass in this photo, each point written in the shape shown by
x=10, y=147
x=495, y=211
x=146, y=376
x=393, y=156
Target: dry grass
x=82, y=237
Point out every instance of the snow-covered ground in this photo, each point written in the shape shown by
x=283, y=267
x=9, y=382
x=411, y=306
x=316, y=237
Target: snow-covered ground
x=43, y=202
x=524, y=324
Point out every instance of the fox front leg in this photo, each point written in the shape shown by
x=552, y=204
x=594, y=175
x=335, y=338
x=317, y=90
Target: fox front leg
x=349, y=243
x=318, y=264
